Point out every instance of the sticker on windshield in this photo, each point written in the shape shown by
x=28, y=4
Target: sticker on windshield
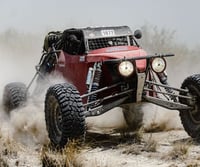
x=106, y=33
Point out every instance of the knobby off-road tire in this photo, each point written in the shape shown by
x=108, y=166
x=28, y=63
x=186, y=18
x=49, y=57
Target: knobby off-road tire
x=14, y=95
x=64, y=114
x=191, y=118
x=133, y=115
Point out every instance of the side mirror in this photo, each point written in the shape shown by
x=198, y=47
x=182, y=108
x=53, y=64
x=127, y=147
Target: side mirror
x=138, y=34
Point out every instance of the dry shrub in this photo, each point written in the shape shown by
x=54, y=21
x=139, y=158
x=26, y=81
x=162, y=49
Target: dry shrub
x=3, y=162
x=134, y=149
x=139, y=135
x=136, y=137
x=195, y=164
x=150, y=145
x=179, y=151
x=9, y=148
x=66, y=157
x=172, y=165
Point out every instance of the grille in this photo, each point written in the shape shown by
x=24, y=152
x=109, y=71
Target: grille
x=107, y=42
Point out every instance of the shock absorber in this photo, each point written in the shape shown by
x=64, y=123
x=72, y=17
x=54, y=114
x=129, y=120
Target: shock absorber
x=163, y=79
x=94, y=80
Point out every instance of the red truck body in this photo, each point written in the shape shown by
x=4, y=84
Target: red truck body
x=75, y=67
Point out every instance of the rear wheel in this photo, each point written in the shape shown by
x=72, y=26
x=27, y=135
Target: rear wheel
x=64, y=114
x=191, y=118
x=14, y=95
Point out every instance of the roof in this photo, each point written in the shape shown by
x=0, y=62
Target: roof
x=102, y=32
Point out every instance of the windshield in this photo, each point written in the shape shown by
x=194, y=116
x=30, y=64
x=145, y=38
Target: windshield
x=110, y=42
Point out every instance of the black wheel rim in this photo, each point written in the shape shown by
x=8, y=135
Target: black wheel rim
x=55, y=119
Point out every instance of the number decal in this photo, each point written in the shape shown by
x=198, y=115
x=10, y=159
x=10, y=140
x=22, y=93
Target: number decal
x=108, y=33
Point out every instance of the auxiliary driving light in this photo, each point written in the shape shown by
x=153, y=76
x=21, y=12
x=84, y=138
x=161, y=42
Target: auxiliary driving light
x=126, y=68
x=158, y=64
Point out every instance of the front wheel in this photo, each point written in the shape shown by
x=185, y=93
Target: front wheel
x=191, y=118
x=64, y=114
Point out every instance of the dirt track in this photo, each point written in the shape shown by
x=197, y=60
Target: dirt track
x=162, y=149
x=22, y=143
x=155, y=149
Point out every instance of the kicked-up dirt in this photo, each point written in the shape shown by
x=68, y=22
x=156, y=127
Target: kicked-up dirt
x=24, y=142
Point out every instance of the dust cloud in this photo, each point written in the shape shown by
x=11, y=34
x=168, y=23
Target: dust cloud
x=27, y=123
x=155, y=118
x=110, y=122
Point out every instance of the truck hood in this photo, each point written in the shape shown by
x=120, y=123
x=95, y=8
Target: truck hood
x=114, y=53
x=120, y=52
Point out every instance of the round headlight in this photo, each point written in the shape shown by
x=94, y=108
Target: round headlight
x=126, y=68
x=158, y=64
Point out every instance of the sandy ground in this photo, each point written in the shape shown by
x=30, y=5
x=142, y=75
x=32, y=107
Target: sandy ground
x=162, y=149
x=24, y=134
x=142, y=154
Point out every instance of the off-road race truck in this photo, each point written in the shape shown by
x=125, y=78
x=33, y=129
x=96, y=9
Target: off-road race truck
x=106, y=68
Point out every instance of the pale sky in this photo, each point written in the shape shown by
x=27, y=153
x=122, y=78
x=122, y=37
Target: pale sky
x=42, y=15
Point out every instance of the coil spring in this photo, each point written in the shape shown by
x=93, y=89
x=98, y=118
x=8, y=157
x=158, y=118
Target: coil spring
x=96, y=81
x=163, y=79
x=168, y=90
